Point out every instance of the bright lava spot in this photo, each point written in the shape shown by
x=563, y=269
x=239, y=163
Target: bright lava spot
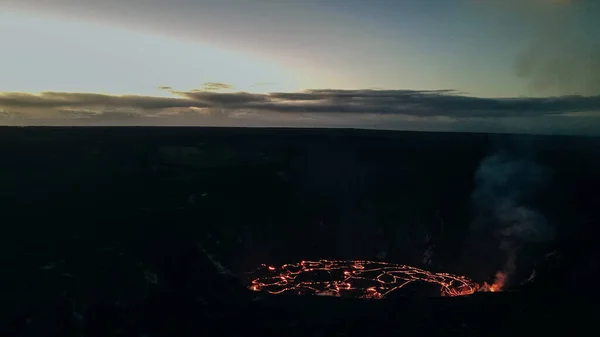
x=359, y=279
x=497, y=285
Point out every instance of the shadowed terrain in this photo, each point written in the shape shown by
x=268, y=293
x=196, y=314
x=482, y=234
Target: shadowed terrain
x=151, y=231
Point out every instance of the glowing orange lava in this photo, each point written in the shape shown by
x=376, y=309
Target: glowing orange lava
x=359, y=279
x=497, y=285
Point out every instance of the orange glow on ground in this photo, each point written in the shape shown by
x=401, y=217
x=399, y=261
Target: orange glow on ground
x=498, y=284
x=358, y=279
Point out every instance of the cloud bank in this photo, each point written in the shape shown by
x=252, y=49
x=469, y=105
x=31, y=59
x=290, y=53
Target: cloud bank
x=326, y=107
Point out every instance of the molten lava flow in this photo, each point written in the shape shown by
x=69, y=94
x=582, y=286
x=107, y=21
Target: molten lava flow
x=497, y=285
x=362, y=279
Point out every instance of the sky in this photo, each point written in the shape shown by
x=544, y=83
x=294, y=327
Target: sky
x=528, y=66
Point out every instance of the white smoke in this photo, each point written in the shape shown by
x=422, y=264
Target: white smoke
x=563, y=55
x=504, y=186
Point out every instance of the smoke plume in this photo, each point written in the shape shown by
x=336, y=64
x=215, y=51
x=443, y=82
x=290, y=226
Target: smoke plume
x=562, y=56
x=505, y=187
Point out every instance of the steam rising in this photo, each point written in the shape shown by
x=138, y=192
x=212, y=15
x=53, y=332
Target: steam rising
x=503, y=186
x=563, y=56
x=557, y=63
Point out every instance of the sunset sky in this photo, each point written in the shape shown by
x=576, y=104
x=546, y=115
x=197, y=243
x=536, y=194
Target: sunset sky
x=466, y=65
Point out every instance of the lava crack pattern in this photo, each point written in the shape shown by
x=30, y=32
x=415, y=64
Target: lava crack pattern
x=358, y=279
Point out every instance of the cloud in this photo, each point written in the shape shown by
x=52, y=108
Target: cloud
x=215, y=86
x=419, y=103
x=57, y=100
x=215, y=99
x=361, y=108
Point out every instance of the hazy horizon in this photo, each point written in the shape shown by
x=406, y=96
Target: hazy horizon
x=458, y=65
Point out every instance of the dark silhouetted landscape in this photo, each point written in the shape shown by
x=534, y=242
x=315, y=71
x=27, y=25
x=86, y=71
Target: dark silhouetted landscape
x=129, y=231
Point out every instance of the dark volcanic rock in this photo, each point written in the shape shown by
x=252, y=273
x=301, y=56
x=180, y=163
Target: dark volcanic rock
x=149, y=231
